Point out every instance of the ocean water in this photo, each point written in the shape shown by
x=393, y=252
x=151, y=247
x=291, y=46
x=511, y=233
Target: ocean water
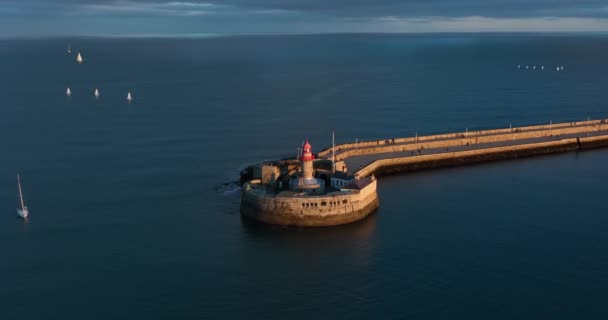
x=135, y=214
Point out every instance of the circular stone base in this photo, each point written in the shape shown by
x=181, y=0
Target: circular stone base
x=306, y=219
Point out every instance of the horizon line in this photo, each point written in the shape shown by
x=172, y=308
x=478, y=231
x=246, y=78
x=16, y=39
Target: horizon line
x=205, y=35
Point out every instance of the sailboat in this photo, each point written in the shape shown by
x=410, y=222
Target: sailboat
x=129, y=96
x=23, y=212
x=96, y=93
x=68, y=92
x=69, y=49
x=79, y=58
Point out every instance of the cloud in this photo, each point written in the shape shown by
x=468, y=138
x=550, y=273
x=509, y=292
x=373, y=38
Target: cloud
x=488, y=24
x=138, y=8
x=312, y=16
x=133, y=8
x=447, y=8
x=342, y=8
x=189, y=4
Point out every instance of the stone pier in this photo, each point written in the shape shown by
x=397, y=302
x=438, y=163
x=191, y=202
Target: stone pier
x=408, y=154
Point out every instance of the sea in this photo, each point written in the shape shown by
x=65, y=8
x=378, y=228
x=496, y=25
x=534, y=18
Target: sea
x=134, y=207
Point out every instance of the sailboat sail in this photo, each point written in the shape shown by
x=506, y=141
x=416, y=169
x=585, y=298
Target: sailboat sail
x=20, y=192
x=68, y=92
x=129, y=96
x=96, y=93
x=23, y=211
x=79, y=58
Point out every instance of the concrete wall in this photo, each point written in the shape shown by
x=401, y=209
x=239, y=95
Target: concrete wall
x=593, y=142
x=338, y=183
x=461, y=138
x=270, y=174
x=341, y=166
x=310, y=186
x=326, y=210
x=395, y=165
x=470, y=140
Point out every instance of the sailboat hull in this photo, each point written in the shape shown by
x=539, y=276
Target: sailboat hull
x=23, y=213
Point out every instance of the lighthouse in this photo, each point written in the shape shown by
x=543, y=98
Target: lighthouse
x=307, y=159
x=307, y=182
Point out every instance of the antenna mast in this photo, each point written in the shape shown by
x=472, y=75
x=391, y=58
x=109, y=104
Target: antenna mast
x=333, y=151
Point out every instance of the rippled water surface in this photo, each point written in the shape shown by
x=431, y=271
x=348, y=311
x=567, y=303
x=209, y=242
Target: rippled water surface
x=134, y=214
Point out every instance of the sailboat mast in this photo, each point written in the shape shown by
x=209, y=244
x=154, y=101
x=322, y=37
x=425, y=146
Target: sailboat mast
x=20, y=193
x=333, y=151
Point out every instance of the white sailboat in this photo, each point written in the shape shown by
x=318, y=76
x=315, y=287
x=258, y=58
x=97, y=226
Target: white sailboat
x=69, y=49
x=79, y=58
x=96, y=93
x=129, y=96
x=68, y=92
x=23, y=212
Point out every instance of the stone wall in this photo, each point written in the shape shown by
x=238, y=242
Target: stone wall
x=325, y=210
x=404, y=164
x=470, y=140
x=593, y=142
x=461, y=138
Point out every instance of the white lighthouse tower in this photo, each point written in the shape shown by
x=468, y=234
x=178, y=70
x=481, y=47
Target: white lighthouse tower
x=307, y=182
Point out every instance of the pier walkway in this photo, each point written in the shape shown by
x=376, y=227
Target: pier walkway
x=357, y=162
x=475, y=146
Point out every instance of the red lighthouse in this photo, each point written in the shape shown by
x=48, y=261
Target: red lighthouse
x=307, y=160
x=307, y=152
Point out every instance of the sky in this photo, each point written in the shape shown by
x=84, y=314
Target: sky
x=35, y=18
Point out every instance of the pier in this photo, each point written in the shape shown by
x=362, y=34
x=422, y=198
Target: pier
x=380, y=157
x=339, y=185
